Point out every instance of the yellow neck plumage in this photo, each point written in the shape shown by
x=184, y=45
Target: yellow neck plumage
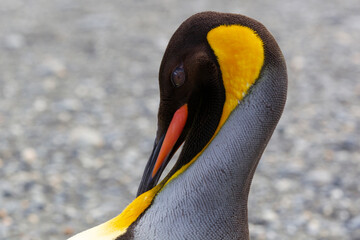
x=240, y=54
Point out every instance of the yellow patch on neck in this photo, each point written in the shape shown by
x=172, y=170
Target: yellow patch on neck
x=117, y=226
x=240, y=54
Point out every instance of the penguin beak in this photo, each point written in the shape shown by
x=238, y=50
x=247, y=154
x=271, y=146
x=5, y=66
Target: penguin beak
x=163, y=150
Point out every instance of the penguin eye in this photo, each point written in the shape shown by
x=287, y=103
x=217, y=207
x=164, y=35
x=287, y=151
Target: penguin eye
x=178, y=76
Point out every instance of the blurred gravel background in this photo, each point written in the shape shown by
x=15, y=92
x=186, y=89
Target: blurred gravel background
x=78, y=105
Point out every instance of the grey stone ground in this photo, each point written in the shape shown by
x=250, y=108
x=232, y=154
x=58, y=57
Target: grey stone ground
x=78, y=104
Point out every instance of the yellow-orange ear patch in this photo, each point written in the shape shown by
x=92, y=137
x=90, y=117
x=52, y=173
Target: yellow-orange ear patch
x=240, y=54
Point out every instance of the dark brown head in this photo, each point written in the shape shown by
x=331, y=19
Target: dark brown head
x=191, y=75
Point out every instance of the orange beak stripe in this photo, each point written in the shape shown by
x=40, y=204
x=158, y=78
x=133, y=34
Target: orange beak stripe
x=172, y=135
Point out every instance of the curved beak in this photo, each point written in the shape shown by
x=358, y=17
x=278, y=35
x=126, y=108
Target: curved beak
x=163, y=150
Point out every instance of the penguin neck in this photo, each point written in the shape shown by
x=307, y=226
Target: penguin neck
x=209, y=199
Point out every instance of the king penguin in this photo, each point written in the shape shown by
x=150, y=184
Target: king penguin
x=223, y=86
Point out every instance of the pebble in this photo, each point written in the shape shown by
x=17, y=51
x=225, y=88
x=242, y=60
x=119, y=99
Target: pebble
x=87, y=136
x=68, y=231
x=319, y=176
x=313, y=226
x=40, y=104
x=354, y=223
x=29, y=155
x=51, y=66
x=270, y=216
x=297, y=63
x=14, y=41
